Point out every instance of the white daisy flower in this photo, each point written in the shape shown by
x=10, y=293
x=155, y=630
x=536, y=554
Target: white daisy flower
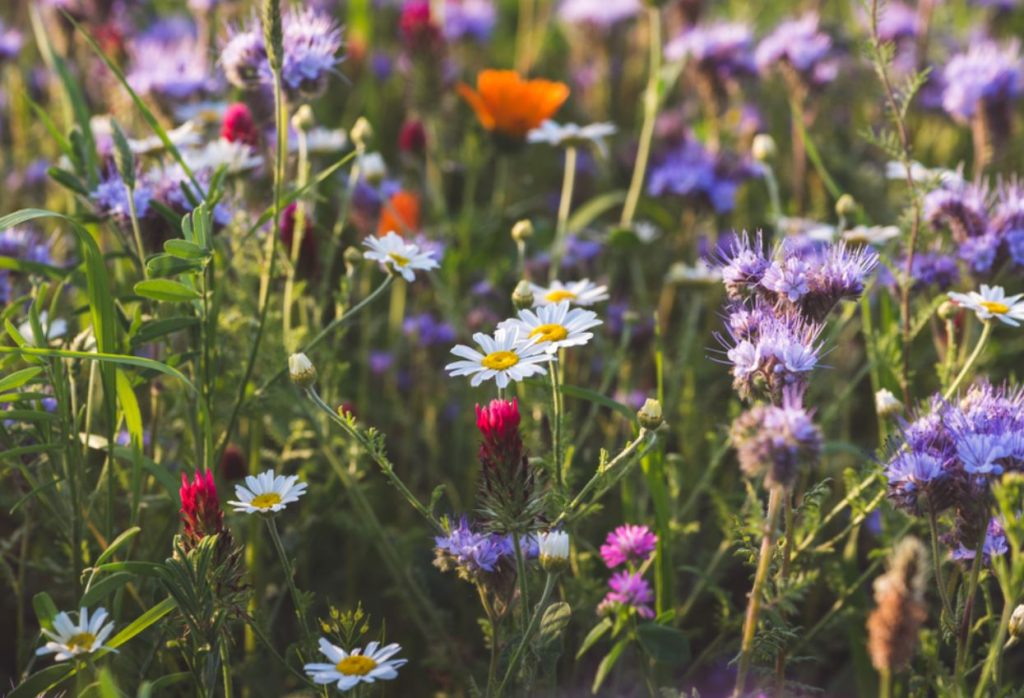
x=700, y=274
x=572, y=135
x=887, y=404
x=583, y=292
x=992, y=302
x=323, y=141
x=403, y=256
x=372, y=167
x=553, y=546
x=811, y=229
x=508, y=356
x=68, y=640
x=872, y=234
x=267, y=492
x=235, y=156
x=894, y=169
x=349, y=669
x=555, y=326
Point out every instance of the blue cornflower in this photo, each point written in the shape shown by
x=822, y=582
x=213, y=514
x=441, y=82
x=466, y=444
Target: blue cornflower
x=468, y=552
x=995, y=544
x=111, y=198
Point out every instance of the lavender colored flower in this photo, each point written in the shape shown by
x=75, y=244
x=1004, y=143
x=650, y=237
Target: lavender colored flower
x=381, y=362
x=628, y=543
x=171, y=64
x=722, y=49
x=960, y=206
x=629, y=590
x=23, y=242
x=928, y=269
x=995, y=544
x=11, y=42
x=912, y=473
x=468, y=552
x=243, y=56
x=896, y=21
x=111, y=198
x=472, y=20
x=1008, y=218
x=788, y=278
x=802, y=45
x=744, y=263
x=984, y=75
x=775, y=440
x=693, y=171
x=598, y=14
x=428, y=330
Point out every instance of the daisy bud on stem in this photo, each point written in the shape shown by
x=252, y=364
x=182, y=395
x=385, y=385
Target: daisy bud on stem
x=522, y=296
x=554, y=551
x=301, y=370
x=649, y=415
x=1016, y=626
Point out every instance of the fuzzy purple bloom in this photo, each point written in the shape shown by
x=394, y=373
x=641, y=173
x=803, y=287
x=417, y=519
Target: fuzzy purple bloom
x=469, y=552
x=170, y=64
x=775, y=440
x=628, y=543
x=802, y=45
x=472, y=20
x=724, y=49
x=111, y=198
x=598, y=14
x=984, y=75
x=995, y=544
x=631, y=590
x=691, y=170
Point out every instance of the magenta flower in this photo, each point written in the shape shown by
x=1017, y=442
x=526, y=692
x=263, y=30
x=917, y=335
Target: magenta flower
x=632, y=590
x=628, y=543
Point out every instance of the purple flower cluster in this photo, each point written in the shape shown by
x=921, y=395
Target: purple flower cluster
x=946, y=456
x=24, y=243
x=427, y=330
x=630, y=545
x=166, y=185
x=721, y=49
x=987, y=228
x=927, y=269
x=598, y=14
x=691, y=170
x=774, y=440
x=311, y=44
x=472, y=20
x=803, y=47
x=471, y=553
x=986, y=75
x=11, y=42
x=169, y=61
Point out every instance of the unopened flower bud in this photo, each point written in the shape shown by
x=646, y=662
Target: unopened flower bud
x=301, y=370
x=1016, y=626
x=522, y=230
x=554, y=551
x=353, y=256
x=372, y=167
x=763, y=148
x=846, y=206
x=948, y=310
x=649, y=415
x=303, y=120
x=522, y=296
x=361, y=131
x=887, y=404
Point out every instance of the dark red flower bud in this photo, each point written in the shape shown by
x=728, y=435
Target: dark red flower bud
x=419, y=32
x=412, y=138
x=508, y=483
x=233, y=465
x=238, y=125
x=200, y=509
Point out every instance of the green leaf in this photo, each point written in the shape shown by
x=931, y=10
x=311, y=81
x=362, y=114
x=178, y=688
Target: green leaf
x=169, y=265
x=608, y=663
x=116, y=544
x=166, y=290
x=107, y=685
x=130, y=407
x=141, y=623
x=664, y=643
x=45, y=608
x=596, y=397
x=185, y=249
x=19, y=378
x=124, y=359
x=104, y=588
x=588, y=212
x=595, y=634
x=156, y=329
x=41, y=682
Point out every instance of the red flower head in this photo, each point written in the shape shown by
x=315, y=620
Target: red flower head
x=200, y=508
x=412, y=138
x=239, y=126
x=498, y=423
x=307, y=248
x=419, y=32
x=508, y=484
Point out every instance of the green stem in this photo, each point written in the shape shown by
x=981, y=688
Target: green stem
x=524, y=586
x=884, y=683
x=969, y=364
x=300, y=612
x=556, y=426
x=754, y=603
x=517, y=654
x=963, y=640
x=940, y=581
x=651, y=101
x=136, y=231
x=564, y=206
x=298, y=233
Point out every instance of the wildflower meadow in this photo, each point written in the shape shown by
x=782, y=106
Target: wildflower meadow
x=512, y=348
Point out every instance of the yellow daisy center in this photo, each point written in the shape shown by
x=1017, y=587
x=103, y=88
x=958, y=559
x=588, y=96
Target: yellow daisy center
x=995, y=307
x=549, y=333
x=356, y=665
x=560, y=294
x=81, y=641
x=398, y=259
x=500, y=360
x=265, y=501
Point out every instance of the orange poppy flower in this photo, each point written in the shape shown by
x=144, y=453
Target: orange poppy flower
x=400, y=213
x=508, y=105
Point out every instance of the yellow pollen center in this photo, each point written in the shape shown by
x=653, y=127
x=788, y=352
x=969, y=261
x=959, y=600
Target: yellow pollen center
x=560, y=294
x=398, y=259
x=81, y=641
x=265, y=501
x=500, y=360
x=549, y=333
x=356, y=665
x=995, y=307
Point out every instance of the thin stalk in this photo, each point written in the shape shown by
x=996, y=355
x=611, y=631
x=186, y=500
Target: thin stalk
x=963, y=640
x=549, y=585
x=969, y=364
x=524, y=586
x=556, y=426
x=651, y=101
x=298, y=233
x=225, y=668
x=300, y=612
x=884, y=683
x=990, y=671
x=754, y=603
x=492, y=618
x=564, y=206
x=136, y=231
x=940, y=581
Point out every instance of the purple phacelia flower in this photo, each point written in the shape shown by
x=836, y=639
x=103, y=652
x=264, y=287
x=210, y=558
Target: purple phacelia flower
x=693, y=171
x=985, y=75
x=800, y=44
x=722, y=49
x=995, y=544
x=473, y=20
x=598, y=14
x=628, y=543
x=744, y=264
x=11, y=42
x=776, y=440
x=468, y=552
x=111, y=198
x=171, y=64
